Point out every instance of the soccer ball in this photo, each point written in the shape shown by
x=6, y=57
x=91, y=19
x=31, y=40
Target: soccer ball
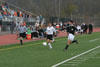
x=44, y=44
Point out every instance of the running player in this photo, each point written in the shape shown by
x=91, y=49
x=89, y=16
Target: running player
x=71, y=31
x=49, y=32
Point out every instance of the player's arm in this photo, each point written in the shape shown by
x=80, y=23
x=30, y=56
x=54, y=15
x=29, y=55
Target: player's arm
x=46, y=31
x=18, y=29
x=67, y=29
x=75, y=28
x=54, y=30
x=67, y=33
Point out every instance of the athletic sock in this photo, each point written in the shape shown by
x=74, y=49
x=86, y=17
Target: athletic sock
x=75, y=41
x=21, y=42
x=53, y=40
x=66, y=47
x=50, y=45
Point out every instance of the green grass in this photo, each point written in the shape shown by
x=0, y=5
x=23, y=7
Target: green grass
x=34, y=54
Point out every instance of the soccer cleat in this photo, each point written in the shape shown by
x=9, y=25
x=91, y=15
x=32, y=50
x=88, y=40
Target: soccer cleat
x=50, y=48
x=64, y=49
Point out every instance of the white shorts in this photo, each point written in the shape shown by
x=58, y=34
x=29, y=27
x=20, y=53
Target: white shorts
x=71, y=37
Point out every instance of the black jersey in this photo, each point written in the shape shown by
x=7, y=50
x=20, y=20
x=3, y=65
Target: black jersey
x=71, y=29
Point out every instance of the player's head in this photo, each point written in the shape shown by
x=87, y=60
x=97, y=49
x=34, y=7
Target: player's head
x=49, y=24
x=21, y=24
x=71, y=22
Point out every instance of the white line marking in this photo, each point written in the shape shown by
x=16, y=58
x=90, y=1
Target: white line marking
x=79, y=60
x=75, y=57
x=71, y=64
x=94, y=39
x=95, y=57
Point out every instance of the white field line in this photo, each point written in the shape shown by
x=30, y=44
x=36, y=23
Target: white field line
x=78, y=60
x=95, y=57
x=94, y=39
x=75, y=56
x=71, y=64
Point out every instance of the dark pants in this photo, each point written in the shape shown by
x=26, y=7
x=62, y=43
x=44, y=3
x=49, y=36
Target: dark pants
x=34, y=34
x=12, y=30
x=22, y=35
x=90, y=30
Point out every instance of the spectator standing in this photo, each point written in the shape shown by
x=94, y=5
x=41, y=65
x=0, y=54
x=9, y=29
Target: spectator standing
x=15, y=14
x=82, y=28
x=32, y=31
x=17, y=26
x=18, y=13
x=78, y=28
x=12, y=26
x=0, y=25
x=85, y=28
x=0, y=8
x=1, y=16
x=90, y=28
x=57, y=28
x=41, y=32
x=41, y=18
x=6, y=5
x=38, y=19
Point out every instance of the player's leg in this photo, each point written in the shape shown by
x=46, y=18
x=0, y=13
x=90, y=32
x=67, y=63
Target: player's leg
x=75, y=41
x=21, y=41
x=21, y=38
x=49, y=43
x=67, y=45
x=72, y=39
x=17, y=35
x=53, y=39
x=49, y=40
x=68, y=42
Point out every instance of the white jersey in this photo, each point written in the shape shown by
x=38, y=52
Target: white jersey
x=50, y=30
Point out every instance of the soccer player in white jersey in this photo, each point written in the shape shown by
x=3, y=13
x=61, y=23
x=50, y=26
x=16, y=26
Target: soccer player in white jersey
x=49, y=32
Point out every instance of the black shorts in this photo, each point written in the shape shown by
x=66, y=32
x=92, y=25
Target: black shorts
x=21, y=35
x=50, y=37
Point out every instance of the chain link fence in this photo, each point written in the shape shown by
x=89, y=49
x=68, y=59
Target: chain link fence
x=78, y=20
x=95, y=21
x=6, y=26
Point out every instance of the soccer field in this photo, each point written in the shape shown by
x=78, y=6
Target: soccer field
x=34, y=54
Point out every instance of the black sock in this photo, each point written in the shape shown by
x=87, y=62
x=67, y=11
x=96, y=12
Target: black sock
x=66, y=47
x=74, y=41
x=21, y=42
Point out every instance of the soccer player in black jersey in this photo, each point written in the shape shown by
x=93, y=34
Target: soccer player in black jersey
x=71, y=32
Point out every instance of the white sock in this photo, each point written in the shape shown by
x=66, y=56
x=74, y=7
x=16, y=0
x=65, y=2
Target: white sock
x=50, y=45
x=53, y=39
